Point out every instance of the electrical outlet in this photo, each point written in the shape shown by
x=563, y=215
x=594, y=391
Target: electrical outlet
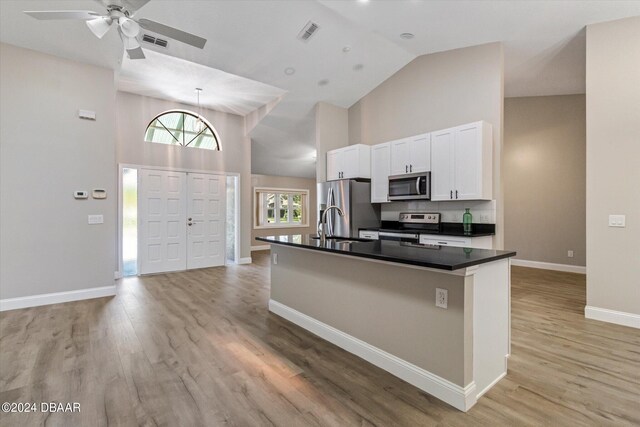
x=442, y=297
x=275, y=259
x=570, y=254
x=484, y=218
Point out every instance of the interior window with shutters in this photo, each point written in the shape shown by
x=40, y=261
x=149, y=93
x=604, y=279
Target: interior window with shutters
x=281, y=208
x=184, y=128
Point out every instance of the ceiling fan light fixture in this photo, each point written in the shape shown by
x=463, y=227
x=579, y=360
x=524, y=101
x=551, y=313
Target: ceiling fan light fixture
x=129, y=27
x=99, y=26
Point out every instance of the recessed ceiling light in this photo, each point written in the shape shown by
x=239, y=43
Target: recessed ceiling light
x=358, y=67
x=289, y=71
x=406, y=36
x=323, y=82
x=363, y=1
x=346, y=49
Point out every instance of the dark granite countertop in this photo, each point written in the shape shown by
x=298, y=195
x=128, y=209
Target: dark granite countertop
x=446, y=229
x=439, y=257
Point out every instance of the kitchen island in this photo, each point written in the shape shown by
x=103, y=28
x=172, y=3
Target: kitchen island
x=378, y=300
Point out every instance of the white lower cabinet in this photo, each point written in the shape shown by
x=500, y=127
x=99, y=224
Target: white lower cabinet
x=482, y=242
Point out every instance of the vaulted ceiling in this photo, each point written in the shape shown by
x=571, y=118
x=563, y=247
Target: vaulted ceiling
x=357, y=47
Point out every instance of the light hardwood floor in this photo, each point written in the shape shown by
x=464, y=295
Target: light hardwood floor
x=201, y=348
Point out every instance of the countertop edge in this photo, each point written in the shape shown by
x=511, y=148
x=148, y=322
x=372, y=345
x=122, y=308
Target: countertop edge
x=507, y=254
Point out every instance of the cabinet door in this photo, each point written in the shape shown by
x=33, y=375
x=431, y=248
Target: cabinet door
x=442, y=164
x=468, y=162
x=349, y=162
x=333, y=165
x=380, y=169
x=420, y=160
x=400, y=156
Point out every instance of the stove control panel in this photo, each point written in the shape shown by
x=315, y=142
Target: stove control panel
x=419, y=217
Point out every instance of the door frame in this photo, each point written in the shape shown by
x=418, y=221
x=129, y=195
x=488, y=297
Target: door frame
x=121, y=166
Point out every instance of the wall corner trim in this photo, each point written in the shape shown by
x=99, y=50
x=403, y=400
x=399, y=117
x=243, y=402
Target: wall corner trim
x=260, y=248
x=461, y=398
x=246, y=260
x=612, y=316
x=549, y=266
x=56, y=298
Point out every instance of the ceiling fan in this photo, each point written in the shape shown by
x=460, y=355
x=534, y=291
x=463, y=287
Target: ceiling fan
x=121, y=13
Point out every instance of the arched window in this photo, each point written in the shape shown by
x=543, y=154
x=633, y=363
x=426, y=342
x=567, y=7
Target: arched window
x=182, y=127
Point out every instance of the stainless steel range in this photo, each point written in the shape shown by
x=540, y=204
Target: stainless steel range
x=410, y=225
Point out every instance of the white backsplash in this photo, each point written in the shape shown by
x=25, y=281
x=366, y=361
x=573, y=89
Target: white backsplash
x=483, y=211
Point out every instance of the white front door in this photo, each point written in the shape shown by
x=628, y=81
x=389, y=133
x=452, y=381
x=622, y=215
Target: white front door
x=206, y=228
x=162, y=214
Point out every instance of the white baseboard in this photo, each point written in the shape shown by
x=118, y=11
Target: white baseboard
x=56, y=298
x=246, y=260
x=260, y=248
x=612, y=316
x=462, y=398
x=549, y=266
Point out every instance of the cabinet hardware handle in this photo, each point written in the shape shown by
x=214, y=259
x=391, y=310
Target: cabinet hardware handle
x=442, y=243
x=406, y=168
x=456, y=194
x=451, y=194
x=410, y=168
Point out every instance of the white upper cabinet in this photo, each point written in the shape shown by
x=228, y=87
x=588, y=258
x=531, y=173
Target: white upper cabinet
x=353, y=161
x=380, y=171
x=411, y=155
x=461, y=159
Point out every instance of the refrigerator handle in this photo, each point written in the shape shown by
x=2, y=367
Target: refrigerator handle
x=330, y=202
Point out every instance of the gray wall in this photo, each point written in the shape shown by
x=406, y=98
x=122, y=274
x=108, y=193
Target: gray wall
x=284, y=182
x=47, y=152
x=332, y=131
x=366, y=300
x=613, y=164
x=134, y=112
x=434, y=92
x=544, y=172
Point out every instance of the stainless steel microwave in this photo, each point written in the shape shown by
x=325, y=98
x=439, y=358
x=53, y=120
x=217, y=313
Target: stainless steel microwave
x=415, y=186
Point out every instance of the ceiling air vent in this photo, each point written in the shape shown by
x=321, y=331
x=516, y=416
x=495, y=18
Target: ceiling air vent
x=153, y=40
x=308, y=31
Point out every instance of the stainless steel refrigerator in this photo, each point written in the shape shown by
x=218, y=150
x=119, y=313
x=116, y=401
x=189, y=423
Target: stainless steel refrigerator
x=354, y=198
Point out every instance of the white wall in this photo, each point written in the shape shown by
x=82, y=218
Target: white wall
x=134, y=112
x=613, y=167
x=47, y=152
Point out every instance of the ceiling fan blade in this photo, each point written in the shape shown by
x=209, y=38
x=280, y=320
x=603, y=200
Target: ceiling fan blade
x=99, y=26
x=174, y=33
x=136, y=53
x=62, y=14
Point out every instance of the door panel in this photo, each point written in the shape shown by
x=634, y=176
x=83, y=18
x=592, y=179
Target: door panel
x=380, y=171
x=420, y=153
x=468, y=158
x=333, y=165
x=162, y=216
x=441, y=165
x=350, y=162
x=206, y=216
x=400, y=156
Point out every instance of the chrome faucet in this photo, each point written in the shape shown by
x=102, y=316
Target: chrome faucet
x=323, y=222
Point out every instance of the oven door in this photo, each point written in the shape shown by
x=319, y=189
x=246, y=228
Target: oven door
x=415, y=186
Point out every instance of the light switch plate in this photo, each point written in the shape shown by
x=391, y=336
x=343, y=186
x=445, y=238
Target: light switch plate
x=96, y=219
x=617, y=220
